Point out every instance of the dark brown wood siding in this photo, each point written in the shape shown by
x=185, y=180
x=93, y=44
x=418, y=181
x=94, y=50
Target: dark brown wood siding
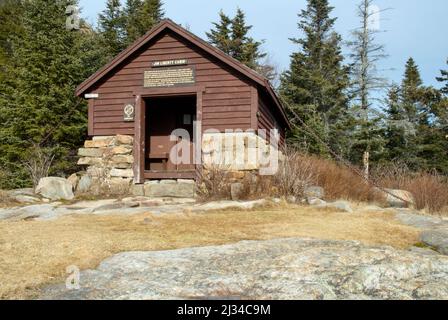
x=227, y=100
x=267, y=119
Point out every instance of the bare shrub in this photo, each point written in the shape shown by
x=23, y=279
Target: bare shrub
x=394, y=175
x=430, y=189
x=295, y=173
x=340, y=182
x=214, y=183
x=38, y=163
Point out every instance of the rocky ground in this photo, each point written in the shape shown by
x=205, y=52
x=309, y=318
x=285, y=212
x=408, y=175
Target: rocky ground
x=276, y=269
x=126, y=206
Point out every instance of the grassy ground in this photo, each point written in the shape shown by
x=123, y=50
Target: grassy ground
x=34, y=253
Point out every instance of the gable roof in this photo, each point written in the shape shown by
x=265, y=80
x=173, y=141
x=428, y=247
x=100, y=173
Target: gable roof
x=168, y=24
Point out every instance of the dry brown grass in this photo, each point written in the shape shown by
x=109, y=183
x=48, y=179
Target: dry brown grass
x=340, y=182
x=35, y=253
x=430, y=189
x=6, y=201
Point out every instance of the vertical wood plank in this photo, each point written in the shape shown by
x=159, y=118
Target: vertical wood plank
x=139, y=140
x=254, y=108
x=91, y=105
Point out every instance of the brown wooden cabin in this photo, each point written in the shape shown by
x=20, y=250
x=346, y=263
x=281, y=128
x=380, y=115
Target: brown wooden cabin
x=172, y=77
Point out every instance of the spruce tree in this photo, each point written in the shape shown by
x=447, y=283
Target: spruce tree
x=10, y=13
x=220, y=37
x=444, y=78
x=140, y=17
x=232, y=37
x=397, y=131
x=111, y=28
x=315, y=84
x=37, y=102
x=243, y=47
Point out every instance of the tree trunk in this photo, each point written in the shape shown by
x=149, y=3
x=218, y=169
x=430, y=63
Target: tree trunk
x=366, y=161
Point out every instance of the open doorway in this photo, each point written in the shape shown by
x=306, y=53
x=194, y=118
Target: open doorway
x=164, y=115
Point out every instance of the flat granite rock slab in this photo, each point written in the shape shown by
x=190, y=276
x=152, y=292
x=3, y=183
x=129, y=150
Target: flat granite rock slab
x=277, y=269
x=420, y=221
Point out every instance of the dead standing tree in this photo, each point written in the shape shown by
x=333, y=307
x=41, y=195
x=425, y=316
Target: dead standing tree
x=365, y=54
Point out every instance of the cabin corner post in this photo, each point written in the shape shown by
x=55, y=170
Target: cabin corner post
x=199, y=132
x=139, y=140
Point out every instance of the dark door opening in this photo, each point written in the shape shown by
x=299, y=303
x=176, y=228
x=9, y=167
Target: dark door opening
x=163, y=154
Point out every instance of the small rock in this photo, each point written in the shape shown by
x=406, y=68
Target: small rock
x=98, y=143
x=127, y=140
x=88, y=161
x=423, y=251
x=55, y=188
x=396, y=202
x=73, y=179
x=416, y=220
x=175, y=190
x=120, y=150
x=339, y=205
x=315, y=202
x=314, y=192
x=236, y=191
x=90, y=152
x=84, y=184
x=26, y=199
x=123, y=159
x=125, y=173
x=291, y=199
x=437, y=238
x=277, y=200
x=22, y=192
x=137, y=190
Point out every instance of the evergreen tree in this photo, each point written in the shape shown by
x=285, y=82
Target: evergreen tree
x=111, y=27
x=444, y=78
x=417, y=123
x=37, y=102
x=220, y=37
x=243, y=47
x=232, y=37
x=410, y=89
x=10, y=13
x=315, y=84
x=397, y=126
x=140, y=17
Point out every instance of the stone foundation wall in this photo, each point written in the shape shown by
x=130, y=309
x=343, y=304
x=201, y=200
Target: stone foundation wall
x=236, y=152
x=109, y=165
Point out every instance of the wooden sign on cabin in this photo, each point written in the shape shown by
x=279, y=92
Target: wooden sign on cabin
x=169, y=77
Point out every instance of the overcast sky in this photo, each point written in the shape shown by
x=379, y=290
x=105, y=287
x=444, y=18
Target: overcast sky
x=414, y=28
